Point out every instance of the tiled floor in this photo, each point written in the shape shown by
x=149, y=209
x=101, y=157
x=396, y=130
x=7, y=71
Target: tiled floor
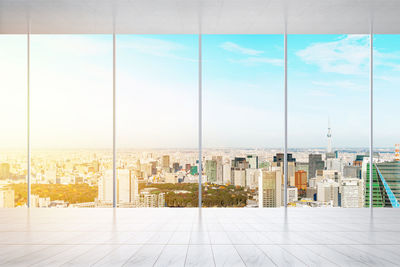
x=187, y=237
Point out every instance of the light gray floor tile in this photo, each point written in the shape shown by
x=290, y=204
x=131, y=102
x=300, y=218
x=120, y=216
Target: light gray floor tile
x=306, y=255
x=172, y=255
x=147, y=255
x=199, y=255
x=253, y=256
x=118, y=256
x=226, y=255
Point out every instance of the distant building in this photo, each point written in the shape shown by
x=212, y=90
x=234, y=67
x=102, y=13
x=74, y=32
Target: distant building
x=211, y=171
x=351, y=190
x=165, y=164
x=240, y=163
x=6, y=197
x=176, y=167
x=352, y=171
x=292, y=194
x=328, y=192
x=227, y=174
x=301, y=180
x=40, y=202
x=4, y=171
x=239, y=177
x=253, y=161
x=219, y=169
x=272, y=189
x=315, y=163
x=279, y=158
x=252, y=178
x=193, y=170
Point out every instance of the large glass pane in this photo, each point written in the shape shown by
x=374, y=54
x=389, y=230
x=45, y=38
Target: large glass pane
x=386, y=170
x=157, y=120
x=243, y=120
x=13, y=117
x=328, y=108
x=71, y=119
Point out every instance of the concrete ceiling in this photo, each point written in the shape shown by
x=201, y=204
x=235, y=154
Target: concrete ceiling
x=193, y=16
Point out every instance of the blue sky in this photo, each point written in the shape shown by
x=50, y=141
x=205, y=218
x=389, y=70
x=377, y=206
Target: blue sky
x=328, y=77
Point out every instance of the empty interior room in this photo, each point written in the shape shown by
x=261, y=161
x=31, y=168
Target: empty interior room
x=199, y=133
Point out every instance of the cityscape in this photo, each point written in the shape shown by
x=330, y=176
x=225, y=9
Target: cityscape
x=231, y=178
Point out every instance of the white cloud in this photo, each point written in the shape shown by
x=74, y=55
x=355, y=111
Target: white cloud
x=347, y=55
x=232, y=47
x=342, y=84
x=155, y=47
x=256, y=60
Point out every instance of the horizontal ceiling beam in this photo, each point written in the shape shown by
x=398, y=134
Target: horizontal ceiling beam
x=194, y=16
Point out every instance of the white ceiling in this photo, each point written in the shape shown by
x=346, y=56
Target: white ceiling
x=191, y=16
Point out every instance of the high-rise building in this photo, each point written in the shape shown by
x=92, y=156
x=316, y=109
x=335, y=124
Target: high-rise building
x=105, y=187
x=211, y=171
x=292, y=194
x=272, y=189
x=328, y=192
x=239, y=177
x=351, y=191
x=301, y=180
x=279, y=158
x=240, y=163
x=253, y=161
x=4, y=171
x=352, y=171
x=219, y=169
x=127, y=187
x=165, y=164
x=6, y=197
x=315, y=163
x=227, y=174
x=175, y=166
x=252, y=178
x=193, y=170
x=386, y=184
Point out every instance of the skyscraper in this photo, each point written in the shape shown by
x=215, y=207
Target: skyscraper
x=301, y=180
x=4, y=171
x=211, y=171
x=253, y=161
x=386, y=184
x=272, y=189
x=315, y=163
x=165, y=163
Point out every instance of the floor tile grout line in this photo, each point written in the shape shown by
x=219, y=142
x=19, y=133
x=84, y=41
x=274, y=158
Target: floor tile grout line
x=234, y=246
x=165, y=245
x=352, y=257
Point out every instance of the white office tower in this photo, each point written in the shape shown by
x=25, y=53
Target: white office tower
x=329, y=136
x=328, y=192
x=292, y=193
x=124, y=187
x=239, y=177
x=127, y=186
x=352, y=193
x=6, y=197
x=252, y=177
x=227, y=173
x=105, y=187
